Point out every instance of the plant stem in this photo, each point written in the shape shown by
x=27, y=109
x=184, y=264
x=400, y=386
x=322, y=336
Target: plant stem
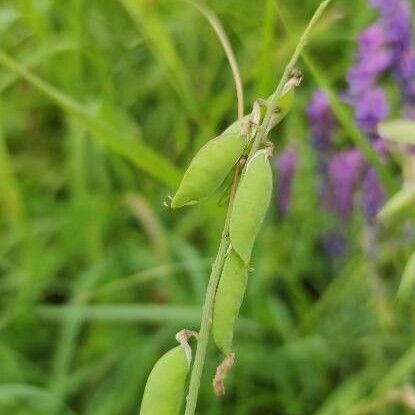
x=217, y=266
x=273, y=100
x=203, y=336
x=230, y=55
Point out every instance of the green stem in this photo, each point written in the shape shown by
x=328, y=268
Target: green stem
x=206, y=322
x=341, y=113
x=203, y=336
x=273, y=100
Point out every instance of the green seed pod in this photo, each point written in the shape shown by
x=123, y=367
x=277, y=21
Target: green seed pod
x=208, y=169
x=228, y=300
x=250, y=205
x=163, y=394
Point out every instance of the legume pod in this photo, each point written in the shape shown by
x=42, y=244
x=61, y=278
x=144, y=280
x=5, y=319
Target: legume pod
x=163, y=394
x=251, y=202
x=208, y=169
x=228, y=300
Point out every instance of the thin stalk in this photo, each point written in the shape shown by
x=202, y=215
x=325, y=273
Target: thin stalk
x=203, y=336
x=341, y=113
x=217, y=266
x=230, y=55
x=273, y=100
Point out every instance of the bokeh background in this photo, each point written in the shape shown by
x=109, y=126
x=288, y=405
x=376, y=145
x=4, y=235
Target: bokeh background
x=102, y=105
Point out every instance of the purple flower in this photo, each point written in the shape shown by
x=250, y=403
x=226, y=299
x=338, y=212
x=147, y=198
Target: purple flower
x=373, y=194
x=371, y=108
x=381, y=146
x=322, y=122
x=345, y=170
x=360, y=78
x=286, y=164
x=386, y=7
x=383, y=46
x=373, y=58
x=405, y=74
x=396, y=18
x=371, y=40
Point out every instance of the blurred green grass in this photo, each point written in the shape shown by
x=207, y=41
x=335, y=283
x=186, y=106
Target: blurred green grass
x=102, y=105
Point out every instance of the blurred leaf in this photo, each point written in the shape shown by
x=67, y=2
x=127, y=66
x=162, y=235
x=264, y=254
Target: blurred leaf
x=345, y=395
x=10, y=197
x=401, y=131
x=33, y=58
x=161, y=45
x=147, y=313
x=398, y=202
x=139, y=153
x=406, y=286
x=38, y=395
x=400, y=371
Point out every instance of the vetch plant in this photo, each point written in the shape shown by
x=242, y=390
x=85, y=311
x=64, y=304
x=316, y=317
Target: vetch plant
x=242, y=151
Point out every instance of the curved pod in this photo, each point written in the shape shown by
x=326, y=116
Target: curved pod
x=164, y=391
x=208, y=169
x=251, y=202
x=228, y=300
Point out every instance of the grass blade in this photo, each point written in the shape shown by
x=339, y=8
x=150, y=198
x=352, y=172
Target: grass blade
x=138, y=153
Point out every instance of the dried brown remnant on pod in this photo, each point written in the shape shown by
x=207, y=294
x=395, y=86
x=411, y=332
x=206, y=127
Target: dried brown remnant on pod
x=183, y=337
x=221, y=373
x=296, y=77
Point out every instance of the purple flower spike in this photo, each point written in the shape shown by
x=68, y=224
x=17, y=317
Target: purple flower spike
x=373, y=58
x=396, y=18
x=384, y=48
x=406, y=78
x=322, y=121
x=371, y=108
x=386, y=7
x=373, y=194
x=360, y=78
x=286, y=164
x=371, y=40
x=381, y=147
x=345, y=170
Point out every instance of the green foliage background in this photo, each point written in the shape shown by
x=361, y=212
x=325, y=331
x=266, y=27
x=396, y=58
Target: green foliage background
x=102, y=105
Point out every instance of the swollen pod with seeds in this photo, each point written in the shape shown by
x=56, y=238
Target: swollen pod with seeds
x=228, y=300
x=164, y=391
x=208, y=169
x=250, y=205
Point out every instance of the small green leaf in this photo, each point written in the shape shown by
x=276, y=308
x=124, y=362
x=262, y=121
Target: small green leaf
x=400, y=131
x=408, y=278
x=398, y=202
